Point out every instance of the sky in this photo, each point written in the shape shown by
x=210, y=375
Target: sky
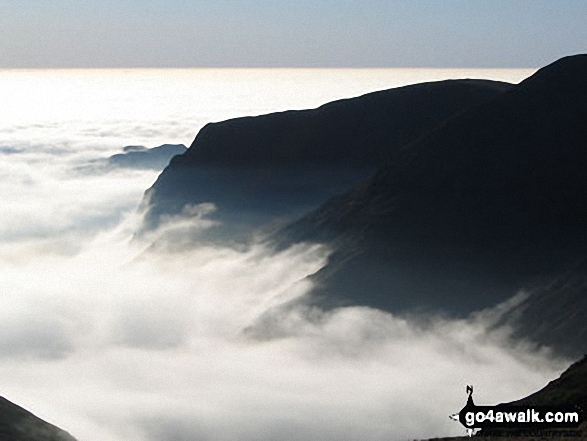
x=301, y=33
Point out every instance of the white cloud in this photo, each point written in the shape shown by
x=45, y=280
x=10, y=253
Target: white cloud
x=115, y=343
x=114, y=340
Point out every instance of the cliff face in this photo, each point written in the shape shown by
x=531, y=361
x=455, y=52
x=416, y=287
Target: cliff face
x=493, y=200
x=17, y=424
x=272, y=168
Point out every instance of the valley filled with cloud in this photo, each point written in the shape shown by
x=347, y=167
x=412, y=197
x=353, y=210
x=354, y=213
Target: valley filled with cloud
x=114, y=339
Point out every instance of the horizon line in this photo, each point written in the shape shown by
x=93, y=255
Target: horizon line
x=266, y=67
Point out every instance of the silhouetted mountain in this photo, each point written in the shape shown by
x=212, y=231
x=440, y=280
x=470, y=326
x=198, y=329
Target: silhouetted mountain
x=570, y=389
x=17, y=424
x=264, y=169
x=493, y=200
x=554, y=315
x=141, y=157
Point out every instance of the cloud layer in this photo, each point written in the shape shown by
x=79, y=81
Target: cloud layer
x=115, y=340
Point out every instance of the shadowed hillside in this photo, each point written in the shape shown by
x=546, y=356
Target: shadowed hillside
x=554, y=315
x=17, y=424
x=493, y=200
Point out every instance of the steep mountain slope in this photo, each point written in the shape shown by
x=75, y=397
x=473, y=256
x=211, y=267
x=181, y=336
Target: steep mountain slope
x=17, y=424
x=494, y=200
x=261, y=170
x=554, y=315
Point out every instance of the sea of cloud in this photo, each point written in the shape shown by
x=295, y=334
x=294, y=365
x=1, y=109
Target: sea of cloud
x=113, y=339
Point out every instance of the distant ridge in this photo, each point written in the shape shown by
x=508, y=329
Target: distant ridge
x=18, y=424
x=140, y=157
x=134, y=157
x=570, y=389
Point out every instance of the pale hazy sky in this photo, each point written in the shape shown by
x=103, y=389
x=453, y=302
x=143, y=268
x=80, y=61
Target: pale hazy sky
x=294, y=33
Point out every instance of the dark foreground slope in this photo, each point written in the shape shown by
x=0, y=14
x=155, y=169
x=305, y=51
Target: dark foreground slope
x=17, y=424
x=570, y=389
x=493, y=200
x=259, y=170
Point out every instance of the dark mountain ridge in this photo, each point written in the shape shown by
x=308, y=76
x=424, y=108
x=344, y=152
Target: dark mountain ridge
x=271, y=168
x=493, y=200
